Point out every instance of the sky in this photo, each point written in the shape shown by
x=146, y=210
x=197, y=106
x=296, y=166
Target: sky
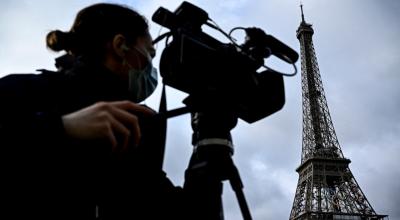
x=357, y=46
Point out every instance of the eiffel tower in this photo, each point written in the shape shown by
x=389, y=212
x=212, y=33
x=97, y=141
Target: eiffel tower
x=326, y=187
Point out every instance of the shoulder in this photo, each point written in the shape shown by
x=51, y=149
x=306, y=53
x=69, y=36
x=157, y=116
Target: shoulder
x=29, y=84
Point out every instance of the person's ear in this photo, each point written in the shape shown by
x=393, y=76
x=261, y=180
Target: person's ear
x=119, y=45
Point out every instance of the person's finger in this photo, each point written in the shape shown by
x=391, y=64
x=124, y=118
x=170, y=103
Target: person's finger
x=111, y=137
x=123, y=116
x=133, y=107
x=119, y=128
x=136, y=134
x=125, y=144
x=129, y=120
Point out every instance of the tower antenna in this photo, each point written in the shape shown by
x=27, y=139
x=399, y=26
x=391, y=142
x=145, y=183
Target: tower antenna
x=302, y=14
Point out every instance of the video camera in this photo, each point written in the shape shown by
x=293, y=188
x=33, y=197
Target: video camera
x=223, y=84
x=217, y=73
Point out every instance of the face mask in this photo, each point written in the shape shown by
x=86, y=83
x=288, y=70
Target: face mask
x=142, y=83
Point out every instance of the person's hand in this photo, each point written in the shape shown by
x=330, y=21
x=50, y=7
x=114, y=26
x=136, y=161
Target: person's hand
x=115, y=122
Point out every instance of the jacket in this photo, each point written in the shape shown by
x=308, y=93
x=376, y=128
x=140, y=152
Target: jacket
x=47, y=175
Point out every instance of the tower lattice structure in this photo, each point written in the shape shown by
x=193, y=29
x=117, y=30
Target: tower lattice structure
x=326, y=187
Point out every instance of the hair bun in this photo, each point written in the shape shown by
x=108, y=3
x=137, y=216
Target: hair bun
x=58, y=40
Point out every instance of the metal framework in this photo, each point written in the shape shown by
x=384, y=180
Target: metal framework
x=326, y=188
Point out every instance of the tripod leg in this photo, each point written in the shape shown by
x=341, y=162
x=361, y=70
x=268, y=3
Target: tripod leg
x=237, y=187
x=203, y=189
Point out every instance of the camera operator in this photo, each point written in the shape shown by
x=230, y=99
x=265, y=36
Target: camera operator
x=71, y=140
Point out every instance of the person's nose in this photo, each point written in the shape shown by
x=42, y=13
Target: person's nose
x=152, y=51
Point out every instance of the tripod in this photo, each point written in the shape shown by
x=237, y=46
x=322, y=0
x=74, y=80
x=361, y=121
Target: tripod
x=211, y=163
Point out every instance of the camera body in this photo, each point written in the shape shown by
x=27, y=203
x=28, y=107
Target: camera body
x=216, y=74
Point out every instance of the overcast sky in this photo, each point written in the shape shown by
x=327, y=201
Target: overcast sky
x=357, y=45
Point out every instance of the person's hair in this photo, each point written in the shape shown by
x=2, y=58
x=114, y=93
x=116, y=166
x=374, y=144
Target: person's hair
x=96, y=25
